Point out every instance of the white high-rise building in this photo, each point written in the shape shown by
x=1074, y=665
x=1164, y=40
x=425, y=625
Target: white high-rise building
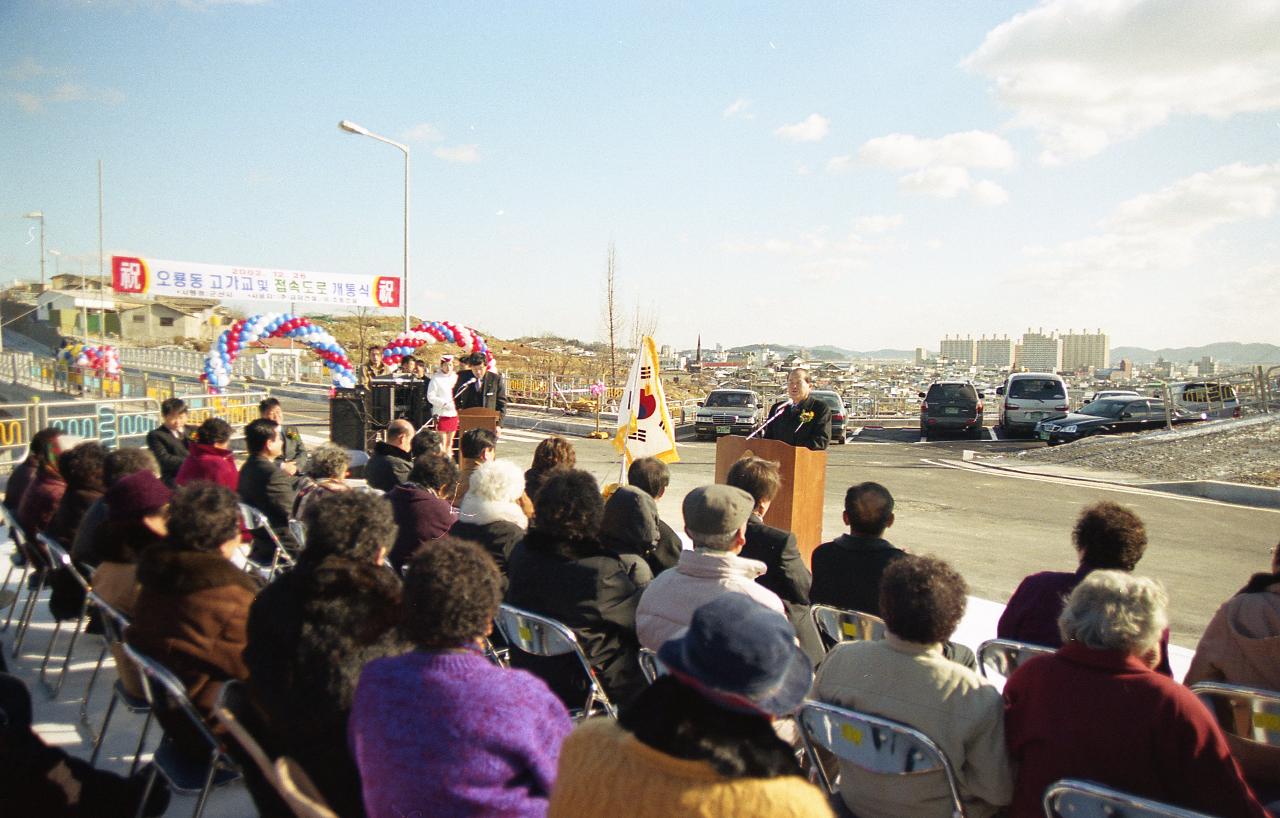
x=1039, y=352
x=958, y=350
x=1085, y=350
x=995, y=353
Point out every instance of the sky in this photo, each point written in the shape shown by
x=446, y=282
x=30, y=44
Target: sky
x=862, y=174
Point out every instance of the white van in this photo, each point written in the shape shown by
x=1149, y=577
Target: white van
x=1030, y=397
x=1211, y=398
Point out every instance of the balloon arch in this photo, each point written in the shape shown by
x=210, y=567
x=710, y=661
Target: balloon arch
x=101, y=359
x=430, y=332
x=242, y=333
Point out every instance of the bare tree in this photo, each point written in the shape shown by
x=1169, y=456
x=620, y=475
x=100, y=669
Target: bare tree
x=645, y=323
x=612, y=314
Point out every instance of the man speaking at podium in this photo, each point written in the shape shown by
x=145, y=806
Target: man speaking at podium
x=801, y=420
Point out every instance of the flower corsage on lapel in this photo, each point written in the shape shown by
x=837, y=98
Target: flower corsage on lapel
x=805, y=417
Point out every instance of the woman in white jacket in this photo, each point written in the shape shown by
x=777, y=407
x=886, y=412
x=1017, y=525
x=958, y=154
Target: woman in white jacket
x=440, y=395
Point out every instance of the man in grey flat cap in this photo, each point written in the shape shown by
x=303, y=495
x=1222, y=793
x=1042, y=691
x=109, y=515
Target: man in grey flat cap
x=715, y=518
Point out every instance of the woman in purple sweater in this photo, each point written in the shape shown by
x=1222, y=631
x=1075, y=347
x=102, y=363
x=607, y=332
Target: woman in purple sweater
x=442, y=731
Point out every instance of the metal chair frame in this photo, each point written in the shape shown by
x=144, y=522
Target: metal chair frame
x=157, y=681
x=836, y=625
x=299, y=531
x=40, y=559
x=1262, y=708
x=254, y=520
x=114, y=624
x=1004, y=656
x=872, y=743
x=1071, y=798
x=19, y=552
x=650, y=665
x=60, y=557
x=540, y=635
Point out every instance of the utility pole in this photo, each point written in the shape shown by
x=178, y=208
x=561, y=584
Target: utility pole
x=102, y=281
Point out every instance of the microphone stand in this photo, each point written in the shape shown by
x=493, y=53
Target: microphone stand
x=785, y=405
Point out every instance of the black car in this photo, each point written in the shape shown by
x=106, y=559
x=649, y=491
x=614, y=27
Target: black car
x=833, y=400
x=1110, y=416
x=728, y=412
x=951, y=406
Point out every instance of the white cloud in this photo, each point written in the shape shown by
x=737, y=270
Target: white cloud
x=944, y=182
x=1084, y=74
x=988, y=193
x=840, y=164
x=28, y=69
x=423, y=132
x=804, y=170
x=740, y=108
x=35, y=101
x=813, y=128
x=967, y=149
x=463, y=154
x=879, y=223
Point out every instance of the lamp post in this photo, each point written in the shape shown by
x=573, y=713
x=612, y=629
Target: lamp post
x=351, y=127
x=39, y=214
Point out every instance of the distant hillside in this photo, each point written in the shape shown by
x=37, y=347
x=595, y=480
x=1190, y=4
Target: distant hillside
x=1228, y=352
x=826, y=352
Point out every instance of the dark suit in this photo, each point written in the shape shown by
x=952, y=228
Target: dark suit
x=268, y=489
x=295, y=451
x=169, y=449
x=846, y=572
x=790, y=427
x=787, y=576
x=490, y=393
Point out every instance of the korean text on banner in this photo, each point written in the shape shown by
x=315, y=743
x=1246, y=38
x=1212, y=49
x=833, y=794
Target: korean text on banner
x=644, y=423
x=184, y=279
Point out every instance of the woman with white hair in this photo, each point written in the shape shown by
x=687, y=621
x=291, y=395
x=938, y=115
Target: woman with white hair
x=490, y=514
x=1097, y=710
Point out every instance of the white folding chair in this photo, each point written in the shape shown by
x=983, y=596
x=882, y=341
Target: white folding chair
x=1070, y=798
x=650, y=665
x=836, y=625
x=114, y=624
x=999, y=658
x=1248, y=713
x=540, y=635
x=874, y=744
x=17, y=559
x=60, y=558
x=186, y=775
x=255, y=520
x=39, y=559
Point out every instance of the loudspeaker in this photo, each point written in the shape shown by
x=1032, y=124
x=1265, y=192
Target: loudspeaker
x=349, y=425
x=405, y=399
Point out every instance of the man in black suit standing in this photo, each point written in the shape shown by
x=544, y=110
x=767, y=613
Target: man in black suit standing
x=786, y=574
x=480, y=388
x=168, y=442
x=293, y=458
x=267, y=487
x=801, y=420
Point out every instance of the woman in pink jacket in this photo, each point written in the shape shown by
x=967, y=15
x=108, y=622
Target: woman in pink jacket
x=209, y=458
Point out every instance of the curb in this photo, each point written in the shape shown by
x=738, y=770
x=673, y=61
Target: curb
x=1239, y=494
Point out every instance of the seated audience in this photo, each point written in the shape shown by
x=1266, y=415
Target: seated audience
x=651, y=475
x=120, y=463
x=630, y=528
x=476, y=446
x=209, y=457
x=327, y=474
x=553, y=452
x=426, y=441
x=314, y=628
x=1107, y=536
x=137, y=520
x=491, y=514
x=715, y=518
x=39, y=780
x=700, y=740
x=1096, y=710
x=43, y=494
x=847, y=570
x=906, y=677
x=390, y=463
x=191, y=612
x=442, y=731
x=1241, y=646
x=82, y=469
x=421, y=506
x=266, y=487
x=169, y=441
x=561, y=570
x=44, y=448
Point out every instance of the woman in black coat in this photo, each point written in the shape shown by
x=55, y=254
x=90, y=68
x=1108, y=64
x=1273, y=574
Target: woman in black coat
x=560, y=570
x=310, y=634
x=490, y=514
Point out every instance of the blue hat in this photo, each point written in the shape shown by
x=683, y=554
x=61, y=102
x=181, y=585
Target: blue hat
x=742, y=656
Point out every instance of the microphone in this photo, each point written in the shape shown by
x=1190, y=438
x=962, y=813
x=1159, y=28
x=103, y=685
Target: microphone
x=786, y=404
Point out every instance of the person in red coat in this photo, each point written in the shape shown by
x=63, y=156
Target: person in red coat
x=1097, y=710
x=209, y=458
x=43, y=495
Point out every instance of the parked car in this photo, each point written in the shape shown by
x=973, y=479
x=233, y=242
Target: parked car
x=1114, y=393
x=1217, y=400
x=838, y=412
x=1030, y=397
x=1110, y=416
x=728, y=412
x=951, y=406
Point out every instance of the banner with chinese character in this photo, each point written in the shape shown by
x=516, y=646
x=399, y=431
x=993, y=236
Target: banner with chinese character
x=184, y=279
x=644, y=424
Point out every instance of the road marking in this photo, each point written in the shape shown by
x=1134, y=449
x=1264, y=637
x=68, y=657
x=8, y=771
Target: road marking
x=1087, y=483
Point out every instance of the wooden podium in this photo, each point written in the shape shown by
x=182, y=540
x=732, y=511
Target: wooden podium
x=798, y=504
x=477, y=418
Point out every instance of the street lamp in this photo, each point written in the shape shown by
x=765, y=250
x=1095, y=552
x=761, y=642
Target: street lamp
x=351, y=127
x=39, y=214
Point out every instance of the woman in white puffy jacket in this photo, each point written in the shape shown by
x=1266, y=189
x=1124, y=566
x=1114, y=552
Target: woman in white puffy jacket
x=440, y=395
